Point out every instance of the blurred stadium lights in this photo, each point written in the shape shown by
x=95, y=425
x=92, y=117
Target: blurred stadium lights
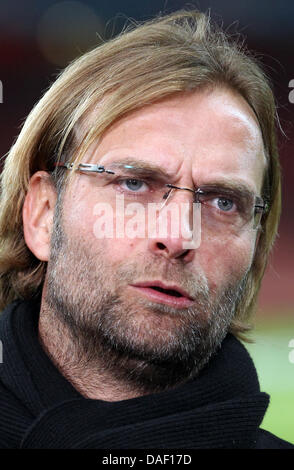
x=66, y=30
x=267, y=19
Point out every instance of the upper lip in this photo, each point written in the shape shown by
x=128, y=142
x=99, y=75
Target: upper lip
x=164, y=286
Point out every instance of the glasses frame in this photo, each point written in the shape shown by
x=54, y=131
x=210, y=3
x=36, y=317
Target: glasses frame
x=260, y=205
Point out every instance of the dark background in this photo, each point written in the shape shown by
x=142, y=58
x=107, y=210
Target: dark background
x=38, y=38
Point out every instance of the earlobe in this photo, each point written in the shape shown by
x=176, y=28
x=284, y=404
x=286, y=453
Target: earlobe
x=38, y=211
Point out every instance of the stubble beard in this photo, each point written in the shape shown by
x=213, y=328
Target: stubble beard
x=144, y=344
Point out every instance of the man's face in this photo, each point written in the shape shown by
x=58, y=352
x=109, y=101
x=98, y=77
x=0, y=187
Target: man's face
x=104, y=288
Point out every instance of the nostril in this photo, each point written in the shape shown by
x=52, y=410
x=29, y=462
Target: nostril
x=161, y=246
x=182, y=255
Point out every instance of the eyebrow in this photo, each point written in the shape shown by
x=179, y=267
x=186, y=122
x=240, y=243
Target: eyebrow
x=140, y=167
x=229, y=186
x=145, y=168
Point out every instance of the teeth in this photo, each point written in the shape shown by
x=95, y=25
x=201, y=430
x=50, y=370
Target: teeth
x=172, y=292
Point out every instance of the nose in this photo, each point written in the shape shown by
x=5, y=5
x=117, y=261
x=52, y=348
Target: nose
x=171, y=249
x=174, y=229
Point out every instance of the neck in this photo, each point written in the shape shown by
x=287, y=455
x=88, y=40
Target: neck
x=92, y=379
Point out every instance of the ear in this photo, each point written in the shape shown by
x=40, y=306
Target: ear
x=38, y=211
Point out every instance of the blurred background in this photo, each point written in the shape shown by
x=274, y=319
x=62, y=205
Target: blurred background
x=39, y=37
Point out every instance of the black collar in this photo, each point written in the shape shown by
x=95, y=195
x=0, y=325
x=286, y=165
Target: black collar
x=222, y=407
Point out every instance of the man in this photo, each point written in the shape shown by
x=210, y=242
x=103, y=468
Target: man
x=116, y=335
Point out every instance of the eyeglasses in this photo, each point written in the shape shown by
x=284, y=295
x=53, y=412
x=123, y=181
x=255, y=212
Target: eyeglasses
x=225, y=208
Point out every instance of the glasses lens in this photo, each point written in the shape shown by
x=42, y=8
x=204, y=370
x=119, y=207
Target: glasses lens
x=134, y=183
x=226, y=211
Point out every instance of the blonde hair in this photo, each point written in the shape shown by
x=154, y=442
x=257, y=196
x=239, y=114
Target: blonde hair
x=147, y=62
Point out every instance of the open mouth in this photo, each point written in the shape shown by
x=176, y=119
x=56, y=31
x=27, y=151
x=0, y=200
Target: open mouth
x=173, y=296
x=172, y=292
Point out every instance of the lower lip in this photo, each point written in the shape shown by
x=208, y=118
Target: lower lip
x=162, y=298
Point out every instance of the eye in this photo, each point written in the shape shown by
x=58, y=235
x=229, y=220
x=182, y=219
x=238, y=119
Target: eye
x=227, y=203
x=133, y=185
x=224, y=204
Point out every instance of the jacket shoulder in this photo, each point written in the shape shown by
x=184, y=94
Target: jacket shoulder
x=267, y=440
x=14, y=419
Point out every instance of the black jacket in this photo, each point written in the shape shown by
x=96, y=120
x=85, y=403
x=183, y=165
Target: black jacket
x=222, y=408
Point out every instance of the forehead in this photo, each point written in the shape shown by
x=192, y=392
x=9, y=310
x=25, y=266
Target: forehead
x=207, y=133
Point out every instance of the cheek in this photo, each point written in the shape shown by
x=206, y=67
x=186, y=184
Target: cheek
x=226, y=261
x=94, y=223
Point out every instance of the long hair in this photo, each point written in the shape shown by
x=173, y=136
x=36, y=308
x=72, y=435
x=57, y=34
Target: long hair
x=183, y=51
